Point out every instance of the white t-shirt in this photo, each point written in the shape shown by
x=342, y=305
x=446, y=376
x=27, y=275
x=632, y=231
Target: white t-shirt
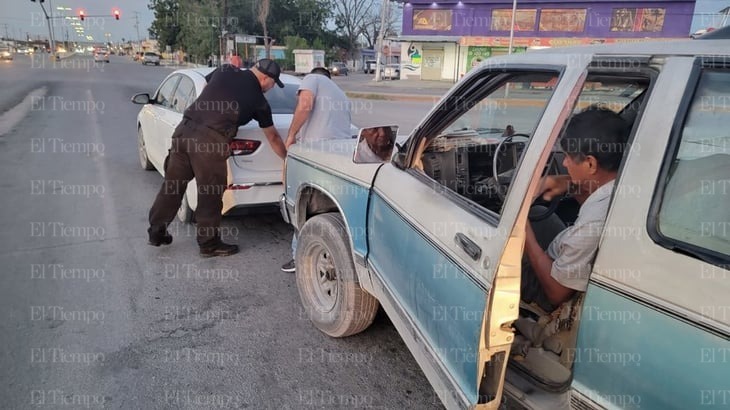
x=330, y=117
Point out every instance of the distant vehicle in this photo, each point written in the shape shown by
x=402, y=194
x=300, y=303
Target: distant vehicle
x=5, y=53
x=150, y=58
x=369, y=67
x=718, y=34
x=391, y=71
x=339, y=68
x=25, y=50
x=101, y=54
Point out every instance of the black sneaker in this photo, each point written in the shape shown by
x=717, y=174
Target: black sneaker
x=289, y=267
x=218, y=249
x=159, y=236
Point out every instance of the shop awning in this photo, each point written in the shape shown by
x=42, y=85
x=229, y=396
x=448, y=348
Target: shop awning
x=427, y=39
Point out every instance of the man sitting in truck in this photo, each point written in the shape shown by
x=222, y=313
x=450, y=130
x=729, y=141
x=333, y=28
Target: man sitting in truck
x=560, y=265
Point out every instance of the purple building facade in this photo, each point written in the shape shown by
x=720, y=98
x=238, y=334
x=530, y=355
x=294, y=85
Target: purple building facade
x=448, y=38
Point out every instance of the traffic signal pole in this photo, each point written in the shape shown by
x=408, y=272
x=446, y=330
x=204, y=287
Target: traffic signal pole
x=50, y=30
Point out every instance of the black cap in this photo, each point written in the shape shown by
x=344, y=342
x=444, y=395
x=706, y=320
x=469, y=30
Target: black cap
x=270, y=68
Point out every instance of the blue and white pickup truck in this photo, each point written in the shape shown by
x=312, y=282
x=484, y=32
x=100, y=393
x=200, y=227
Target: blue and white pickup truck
x=435, y=234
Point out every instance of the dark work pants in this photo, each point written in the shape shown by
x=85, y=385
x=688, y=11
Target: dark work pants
x=545, y=231
x=199, y=153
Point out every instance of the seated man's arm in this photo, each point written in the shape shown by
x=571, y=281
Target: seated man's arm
x=542, y=265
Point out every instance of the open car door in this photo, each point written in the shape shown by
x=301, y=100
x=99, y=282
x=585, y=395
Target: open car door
x=446, y=223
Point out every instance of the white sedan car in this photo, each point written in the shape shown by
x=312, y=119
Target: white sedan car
x=254, y=170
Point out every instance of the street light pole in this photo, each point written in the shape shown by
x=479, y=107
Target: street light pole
x=512, y=26
x=381, y=35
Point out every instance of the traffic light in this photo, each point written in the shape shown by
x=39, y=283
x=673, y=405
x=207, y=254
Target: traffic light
x=116, y=14
x=81, y=15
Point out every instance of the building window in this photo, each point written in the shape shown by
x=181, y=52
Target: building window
x=524, y=20
x=436, y=20
x=638, y=20
x=572, y=20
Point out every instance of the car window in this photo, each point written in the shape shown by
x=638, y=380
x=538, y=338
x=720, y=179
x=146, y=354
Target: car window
x=476, y=155
x=164, y=95
x=192, y=96
x=180, y=100
x=693, y=206
x=283, y=100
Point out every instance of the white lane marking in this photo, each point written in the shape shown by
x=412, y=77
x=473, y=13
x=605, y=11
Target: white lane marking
x=110, y=215
x=11, y=118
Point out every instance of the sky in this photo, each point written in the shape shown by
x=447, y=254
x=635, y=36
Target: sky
x=18, y=17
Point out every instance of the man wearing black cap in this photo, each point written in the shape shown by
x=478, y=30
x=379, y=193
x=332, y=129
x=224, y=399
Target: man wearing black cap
x=200, y=148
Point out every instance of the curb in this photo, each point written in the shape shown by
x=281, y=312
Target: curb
x=393, y=97
x=495, y=103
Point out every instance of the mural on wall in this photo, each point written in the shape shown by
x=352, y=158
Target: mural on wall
x=572, y=20
x=637, y=20
x=524, y=19
x=476, y=55
x=437, y=20
x=414, y=59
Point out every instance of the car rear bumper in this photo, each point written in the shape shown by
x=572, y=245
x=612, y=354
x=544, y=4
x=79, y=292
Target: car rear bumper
x=245, y=195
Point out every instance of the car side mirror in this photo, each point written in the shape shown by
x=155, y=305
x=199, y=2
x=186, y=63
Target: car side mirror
x=141, y=98
x=375, y=144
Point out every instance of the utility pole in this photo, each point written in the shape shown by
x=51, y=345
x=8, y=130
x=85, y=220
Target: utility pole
x=381, y=34
x=136, y=26
x=6, y=32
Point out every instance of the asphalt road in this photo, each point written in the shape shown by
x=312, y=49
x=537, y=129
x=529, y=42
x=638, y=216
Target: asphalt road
x=93, y=317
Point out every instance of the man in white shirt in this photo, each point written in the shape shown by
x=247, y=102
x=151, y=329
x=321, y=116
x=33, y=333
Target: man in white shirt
x=322, y=112
x=594, y=143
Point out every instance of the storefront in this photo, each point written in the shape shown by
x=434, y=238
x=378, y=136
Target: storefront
x=444, y=40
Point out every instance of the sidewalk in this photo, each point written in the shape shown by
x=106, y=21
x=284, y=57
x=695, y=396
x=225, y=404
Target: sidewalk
x=397, y=90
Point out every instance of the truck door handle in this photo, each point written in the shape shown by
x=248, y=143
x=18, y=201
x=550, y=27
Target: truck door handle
x=471, y=248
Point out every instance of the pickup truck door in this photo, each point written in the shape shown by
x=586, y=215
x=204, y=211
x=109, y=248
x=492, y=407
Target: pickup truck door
x=447, y=270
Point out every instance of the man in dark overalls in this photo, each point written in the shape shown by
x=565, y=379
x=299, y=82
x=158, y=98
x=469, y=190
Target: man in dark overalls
x=200, y=149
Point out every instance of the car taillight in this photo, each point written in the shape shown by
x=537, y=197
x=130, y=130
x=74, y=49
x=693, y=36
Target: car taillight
x=244, y=147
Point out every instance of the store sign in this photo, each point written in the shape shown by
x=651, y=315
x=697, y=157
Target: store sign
x=245, y=39
x=571, y=20
x=436, y=20
x=638, y=20
x=549, y=41
x=476, y=55
x=524, y=20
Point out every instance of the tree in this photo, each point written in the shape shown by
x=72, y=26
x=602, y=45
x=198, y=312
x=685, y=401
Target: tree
x=263, y=15
x=166, y=25
x=350, y=16
x=371, y=26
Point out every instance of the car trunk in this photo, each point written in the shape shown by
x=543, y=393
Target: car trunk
x=263, y=159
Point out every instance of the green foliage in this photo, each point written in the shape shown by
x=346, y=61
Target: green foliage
x=165, y=27
x=293, y=43
x=195, y=25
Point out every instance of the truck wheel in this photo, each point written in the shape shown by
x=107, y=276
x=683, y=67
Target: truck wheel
x=327, y=281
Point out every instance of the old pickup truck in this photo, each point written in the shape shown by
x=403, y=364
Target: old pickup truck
x=435, y=233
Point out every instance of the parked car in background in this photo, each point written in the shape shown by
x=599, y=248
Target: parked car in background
x=339, y=68
x=101, y=55
x=391, y=72
x=435, y=232
x=150, y=58
x=6, y=53
x=254, y=170
x=369, y=67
